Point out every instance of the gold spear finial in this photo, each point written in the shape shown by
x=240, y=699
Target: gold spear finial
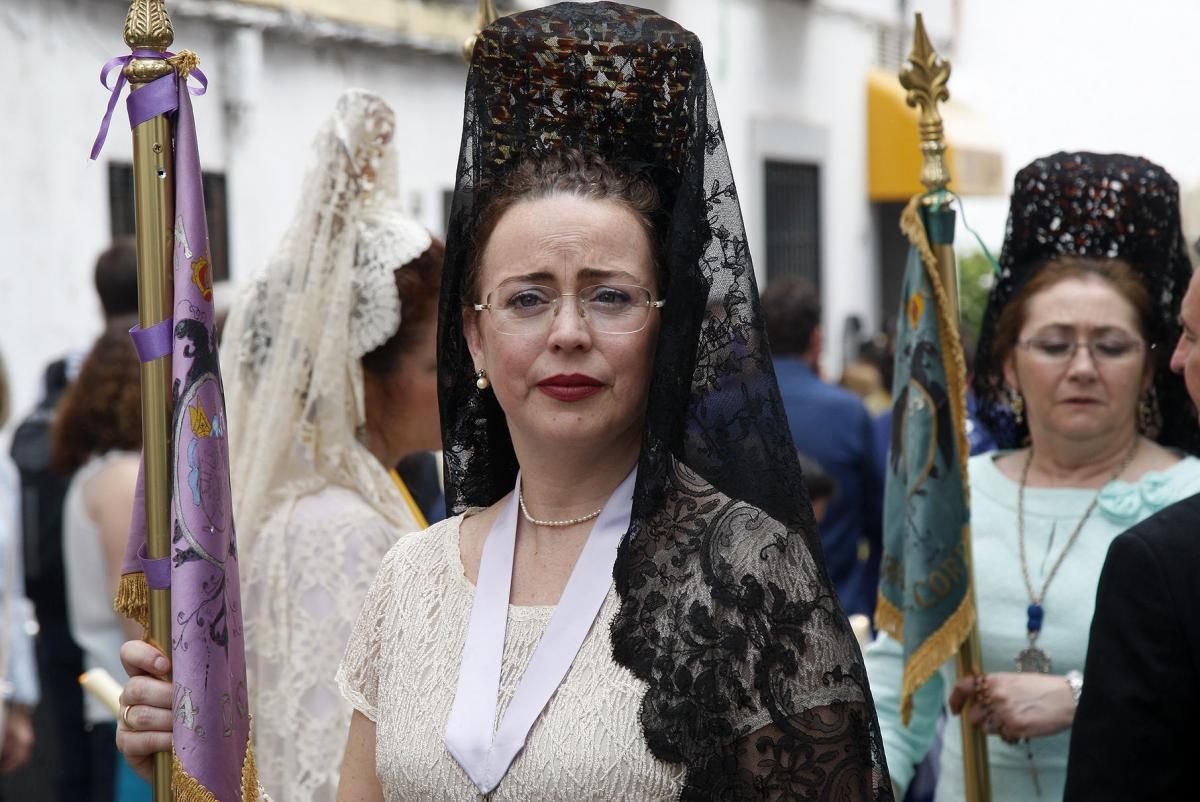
x=487, y=15
x=147, y=27
x=925, y=77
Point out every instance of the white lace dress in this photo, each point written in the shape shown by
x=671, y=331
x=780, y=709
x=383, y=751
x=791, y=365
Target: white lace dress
x=305, y=574
x=401, y=670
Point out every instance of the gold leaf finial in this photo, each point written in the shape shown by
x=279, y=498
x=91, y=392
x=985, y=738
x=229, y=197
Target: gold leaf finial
x=925, y=77
x=487, y=15
x=147, y=27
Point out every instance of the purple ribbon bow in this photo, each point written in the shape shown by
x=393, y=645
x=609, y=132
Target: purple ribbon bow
x=158, y=97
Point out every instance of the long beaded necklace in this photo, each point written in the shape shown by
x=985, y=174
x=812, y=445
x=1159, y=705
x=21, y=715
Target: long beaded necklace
x=1032, y=658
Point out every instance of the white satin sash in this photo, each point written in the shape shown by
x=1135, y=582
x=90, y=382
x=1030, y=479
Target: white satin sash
x=486, y=755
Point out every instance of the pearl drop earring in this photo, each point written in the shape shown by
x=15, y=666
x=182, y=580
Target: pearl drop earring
x=481, y=379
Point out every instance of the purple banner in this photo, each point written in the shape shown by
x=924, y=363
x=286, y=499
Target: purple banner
x=212, y=719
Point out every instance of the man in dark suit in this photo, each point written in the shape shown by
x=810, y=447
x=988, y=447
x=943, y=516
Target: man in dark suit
x=832, y=426
x=1136, y=734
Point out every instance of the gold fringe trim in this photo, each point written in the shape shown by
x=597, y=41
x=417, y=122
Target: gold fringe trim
x=250, y=769
x=133, y=602
x=889, y=618
x=133, y=598
x=935, y=651
x=945, y=642
x=186, y=788
x=939, y=647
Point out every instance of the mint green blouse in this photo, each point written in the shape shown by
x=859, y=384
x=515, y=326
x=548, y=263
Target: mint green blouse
x=1050, y=517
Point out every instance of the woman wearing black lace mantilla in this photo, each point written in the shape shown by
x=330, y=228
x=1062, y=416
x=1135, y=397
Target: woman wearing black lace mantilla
x=631, y=602
x=1095, y=434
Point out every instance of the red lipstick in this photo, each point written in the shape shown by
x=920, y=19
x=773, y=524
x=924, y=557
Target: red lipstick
x=570, y=387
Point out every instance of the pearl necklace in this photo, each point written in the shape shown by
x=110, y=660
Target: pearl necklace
x=567, y=522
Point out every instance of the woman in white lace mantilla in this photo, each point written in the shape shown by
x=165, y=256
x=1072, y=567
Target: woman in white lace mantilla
x=331, y=378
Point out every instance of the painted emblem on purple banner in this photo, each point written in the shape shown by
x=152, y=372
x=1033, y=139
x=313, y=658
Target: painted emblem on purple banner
x=202, y=278
x=202, y=538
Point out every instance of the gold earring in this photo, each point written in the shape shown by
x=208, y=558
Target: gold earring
x=481, y=379
x=1017, y=401
x=1149, y=415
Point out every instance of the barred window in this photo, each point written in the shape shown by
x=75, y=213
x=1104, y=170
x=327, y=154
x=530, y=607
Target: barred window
x=793, y=209
x=120, y=204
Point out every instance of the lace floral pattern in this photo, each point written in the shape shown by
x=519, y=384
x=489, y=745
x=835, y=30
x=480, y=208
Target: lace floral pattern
x=386, y=240
x=306, y=577
x=399, y=671
x=316, y=511
x=294, y=383
x=753, y=678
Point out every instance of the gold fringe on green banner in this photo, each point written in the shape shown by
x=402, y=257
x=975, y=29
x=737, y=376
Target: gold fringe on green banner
x=889, y=618
x=944, y=643
x=935, y=651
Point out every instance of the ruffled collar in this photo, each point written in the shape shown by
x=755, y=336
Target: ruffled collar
x=1122, y=503
x=1129, y=502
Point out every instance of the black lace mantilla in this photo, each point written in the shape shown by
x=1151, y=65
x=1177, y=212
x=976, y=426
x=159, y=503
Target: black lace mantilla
x=755, y=680
x=1094, y=205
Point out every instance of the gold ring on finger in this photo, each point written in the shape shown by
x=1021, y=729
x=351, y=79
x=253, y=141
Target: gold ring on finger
x=125, y=718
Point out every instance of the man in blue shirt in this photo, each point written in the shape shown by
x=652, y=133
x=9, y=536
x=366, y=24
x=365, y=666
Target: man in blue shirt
x=830, y=425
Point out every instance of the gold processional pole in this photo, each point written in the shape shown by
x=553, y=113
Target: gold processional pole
x=487, y=15
x=147, y=27
x=925, y=77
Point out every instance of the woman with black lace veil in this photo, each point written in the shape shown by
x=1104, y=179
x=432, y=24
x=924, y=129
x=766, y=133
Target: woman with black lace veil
x=630, y=600
x=1095, y=434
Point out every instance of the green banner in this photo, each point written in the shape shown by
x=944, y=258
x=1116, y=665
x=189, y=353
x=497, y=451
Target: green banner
x=925, y=582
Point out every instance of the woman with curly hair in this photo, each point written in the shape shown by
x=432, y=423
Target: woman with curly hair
x=96, y=436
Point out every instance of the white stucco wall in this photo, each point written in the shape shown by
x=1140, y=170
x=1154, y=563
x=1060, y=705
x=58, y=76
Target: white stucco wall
x=54, y=211
x=54, y=208
x=297, y=91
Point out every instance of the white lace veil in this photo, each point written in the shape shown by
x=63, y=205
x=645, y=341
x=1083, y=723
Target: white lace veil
x=295, y=337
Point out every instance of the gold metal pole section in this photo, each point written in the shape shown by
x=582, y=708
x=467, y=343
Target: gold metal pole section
x=925, y=77
x=487, y=15
x=147, y=27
